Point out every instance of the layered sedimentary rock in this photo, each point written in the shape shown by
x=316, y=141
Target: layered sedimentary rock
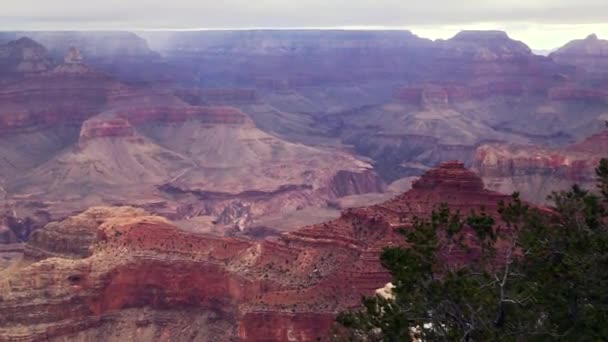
x=270, y=120
x=279, y=60
x=238, y=165
x=590, y=55
x=123, y=55
x=110, y=163
x=73, y=237
x=67, y=94
x=483, y=55
x=285, y=288
x=407, y=103
x=92, y=129
x=535, y=172
x=95, y=140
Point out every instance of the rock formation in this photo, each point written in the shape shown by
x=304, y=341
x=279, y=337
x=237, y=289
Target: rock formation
x=590, y=55
x=535, y=172
x=94, y=140
x=124, y=55
x=67, y=94
x=109, y=264
x=23, y=56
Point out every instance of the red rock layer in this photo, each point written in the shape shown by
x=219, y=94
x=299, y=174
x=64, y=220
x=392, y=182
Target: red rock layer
x=98, y=128
x=449, y=176
x=68, y=94
x=536, y=172
x=208, y=115
x=286, y=288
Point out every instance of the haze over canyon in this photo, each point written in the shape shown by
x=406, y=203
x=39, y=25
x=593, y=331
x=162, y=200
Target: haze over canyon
x=241, y=184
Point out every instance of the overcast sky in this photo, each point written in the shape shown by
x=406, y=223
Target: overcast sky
x=543, y=24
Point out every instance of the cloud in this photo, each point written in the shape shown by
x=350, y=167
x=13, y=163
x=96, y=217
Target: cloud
x=521, y=17
x=301, y=13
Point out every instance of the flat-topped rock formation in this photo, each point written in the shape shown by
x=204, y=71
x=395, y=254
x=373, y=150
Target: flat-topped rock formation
x=99, y=128
x=108, y=157
x=449, y=176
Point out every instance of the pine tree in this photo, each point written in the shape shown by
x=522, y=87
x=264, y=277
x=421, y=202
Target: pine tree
x=536, y=276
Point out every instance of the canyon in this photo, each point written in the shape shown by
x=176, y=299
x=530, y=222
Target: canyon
x=82, y=277
x=241, y=185
x=93, y=140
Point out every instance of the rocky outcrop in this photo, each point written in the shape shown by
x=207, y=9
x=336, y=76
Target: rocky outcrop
x=110, y=159
x=535, y=172
x=589, y=55
x=450, y=175
x=124, y=55
x=484, y=56
x=99, y=128
x=23, y=56
x=73, y=237
x=65, y=95
x=346, y=183
x=285, y=288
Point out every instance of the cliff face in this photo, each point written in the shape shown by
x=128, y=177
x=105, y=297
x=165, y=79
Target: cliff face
x=109, y=263
x=589, y=55
x=535, y=172
x=66, y=94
